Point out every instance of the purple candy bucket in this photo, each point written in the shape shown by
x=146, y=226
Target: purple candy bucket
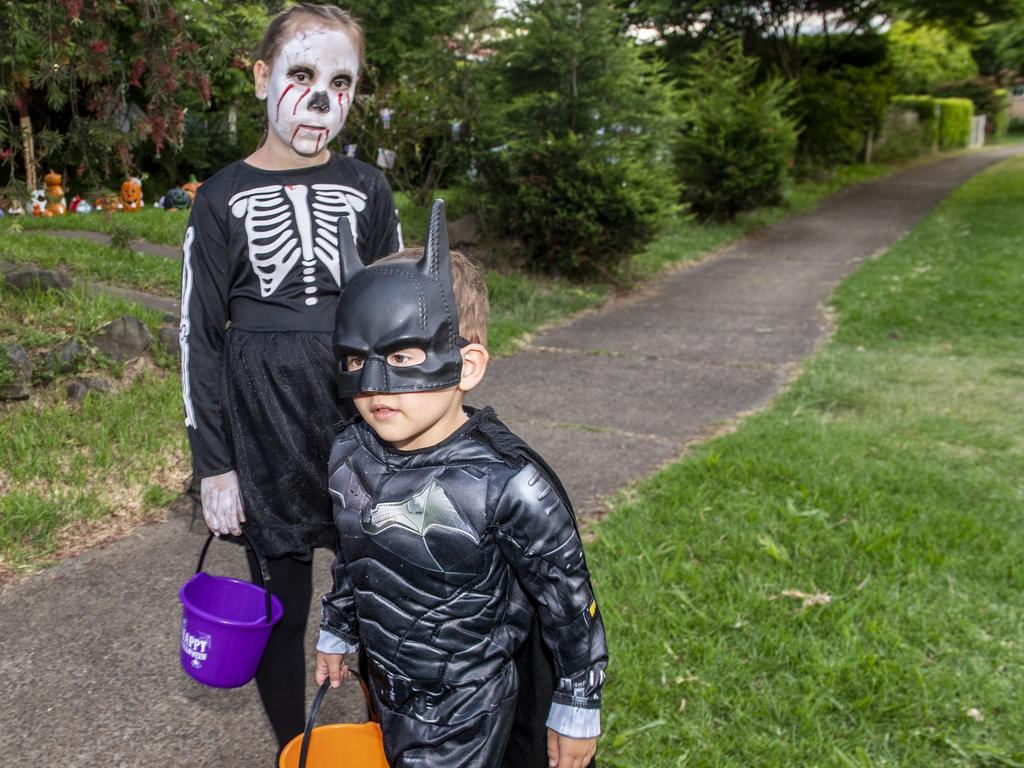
x=225, y=625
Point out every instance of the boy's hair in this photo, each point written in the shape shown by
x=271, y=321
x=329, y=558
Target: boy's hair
x=470, y=292
x=284, y=24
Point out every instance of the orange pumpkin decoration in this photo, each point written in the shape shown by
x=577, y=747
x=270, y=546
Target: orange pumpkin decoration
x=191, y=186
x=131, y=195
x=56, y=205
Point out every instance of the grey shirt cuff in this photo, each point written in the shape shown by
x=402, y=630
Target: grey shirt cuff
x=328, y=643
x=574, y=722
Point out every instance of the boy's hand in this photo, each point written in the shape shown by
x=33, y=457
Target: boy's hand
x=564, y=752
x=331, y=665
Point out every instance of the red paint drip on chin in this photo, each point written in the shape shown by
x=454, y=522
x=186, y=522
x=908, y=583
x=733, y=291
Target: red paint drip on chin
x=299, y=101
x=283, y=94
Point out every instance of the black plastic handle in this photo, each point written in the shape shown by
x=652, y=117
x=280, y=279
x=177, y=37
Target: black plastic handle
x=264, y=568
x=314, y=710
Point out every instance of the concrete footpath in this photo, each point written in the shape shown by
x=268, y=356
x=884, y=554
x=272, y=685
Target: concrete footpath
x=89, y=672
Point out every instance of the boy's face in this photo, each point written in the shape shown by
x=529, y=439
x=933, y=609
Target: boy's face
x=413, y=420
x=309, y=88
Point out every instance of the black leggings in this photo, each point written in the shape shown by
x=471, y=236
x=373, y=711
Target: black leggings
x=281, y=677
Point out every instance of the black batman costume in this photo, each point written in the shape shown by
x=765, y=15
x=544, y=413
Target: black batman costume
x=448, y=553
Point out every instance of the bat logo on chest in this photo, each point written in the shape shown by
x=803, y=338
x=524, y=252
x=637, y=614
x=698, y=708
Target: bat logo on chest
x=428, y=509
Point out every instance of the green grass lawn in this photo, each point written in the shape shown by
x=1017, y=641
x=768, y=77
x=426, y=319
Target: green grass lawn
x=841, y=581
x=153, y=224
x=86, y=260
x=40, y=321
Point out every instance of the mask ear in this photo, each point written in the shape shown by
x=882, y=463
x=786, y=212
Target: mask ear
x=351, y=264
x=437, y=258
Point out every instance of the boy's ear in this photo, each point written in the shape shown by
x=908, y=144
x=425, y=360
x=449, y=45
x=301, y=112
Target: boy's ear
x=474, y=365
x=261, y=74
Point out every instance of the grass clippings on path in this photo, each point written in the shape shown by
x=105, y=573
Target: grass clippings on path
x=841, y=581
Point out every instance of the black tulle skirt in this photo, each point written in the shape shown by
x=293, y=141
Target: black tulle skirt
x=282, y=411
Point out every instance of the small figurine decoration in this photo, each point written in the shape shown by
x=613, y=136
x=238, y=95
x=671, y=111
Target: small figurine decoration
x=84, y=206
x=131, y=195
x=12, y=207
x=106, y=203
x=56, y=205
x=176, y=199
x=75, y=202
x=385, y=158
x=38, y=202
x=190, y=187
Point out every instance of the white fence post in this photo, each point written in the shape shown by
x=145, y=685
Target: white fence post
x=977, y=132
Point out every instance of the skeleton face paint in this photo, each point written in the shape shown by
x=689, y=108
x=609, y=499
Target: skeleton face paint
x=309, y=89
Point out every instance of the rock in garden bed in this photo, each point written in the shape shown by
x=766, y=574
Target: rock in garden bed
x=169, y=339
x=15, y=373
x=37, y=280
x=78, y=388
x=67, y=356
x=123, y=339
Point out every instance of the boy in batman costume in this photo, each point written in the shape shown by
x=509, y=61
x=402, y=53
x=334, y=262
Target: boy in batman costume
x=456, y=539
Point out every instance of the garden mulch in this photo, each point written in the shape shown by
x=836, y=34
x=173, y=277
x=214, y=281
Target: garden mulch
x=88, y=647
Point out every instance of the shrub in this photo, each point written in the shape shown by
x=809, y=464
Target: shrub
x=987, y=99
x=584, y=121
x=579, y=211
x=954, y=122
x=838, y=109
x=911, y=128
x=736, y=142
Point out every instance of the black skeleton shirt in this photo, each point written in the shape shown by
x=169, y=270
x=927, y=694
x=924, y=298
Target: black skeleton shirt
x=261, y=254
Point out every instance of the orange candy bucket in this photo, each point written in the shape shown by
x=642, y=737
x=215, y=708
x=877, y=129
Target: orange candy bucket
x=339, y=745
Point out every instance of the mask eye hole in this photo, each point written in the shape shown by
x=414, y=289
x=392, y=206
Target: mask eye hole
x=353, y=362
x=403, y=358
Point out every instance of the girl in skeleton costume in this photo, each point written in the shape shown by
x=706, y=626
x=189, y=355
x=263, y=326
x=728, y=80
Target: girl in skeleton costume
x=260, y=283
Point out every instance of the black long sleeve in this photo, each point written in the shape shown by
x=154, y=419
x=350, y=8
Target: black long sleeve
x=261, y=255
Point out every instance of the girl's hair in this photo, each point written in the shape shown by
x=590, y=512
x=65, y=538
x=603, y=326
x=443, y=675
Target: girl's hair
x=284, y=24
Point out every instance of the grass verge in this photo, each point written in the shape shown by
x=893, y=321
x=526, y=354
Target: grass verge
x=86, y=260
x=40, y=320
x=839, y=582
x=69, y=474
x=153, y=224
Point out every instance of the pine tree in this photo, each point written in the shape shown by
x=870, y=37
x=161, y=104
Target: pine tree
x=583, y=121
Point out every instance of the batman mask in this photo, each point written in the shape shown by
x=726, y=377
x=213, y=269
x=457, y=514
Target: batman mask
x=396, y=305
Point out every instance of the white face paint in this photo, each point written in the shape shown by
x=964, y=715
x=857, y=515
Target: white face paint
x=310, y=88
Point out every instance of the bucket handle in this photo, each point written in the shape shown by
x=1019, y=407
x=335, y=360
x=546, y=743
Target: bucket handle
x=264, y=568
x=315, y=709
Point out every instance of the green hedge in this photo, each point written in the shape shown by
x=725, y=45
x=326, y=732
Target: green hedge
x=988, y=100
x=954, y=122
x=1001, y=120
x=902, y=138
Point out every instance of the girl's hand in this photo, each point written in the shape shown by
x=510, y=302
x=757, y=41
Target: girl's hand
x=564, y=752
x=222, y=503
x=331, y=665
